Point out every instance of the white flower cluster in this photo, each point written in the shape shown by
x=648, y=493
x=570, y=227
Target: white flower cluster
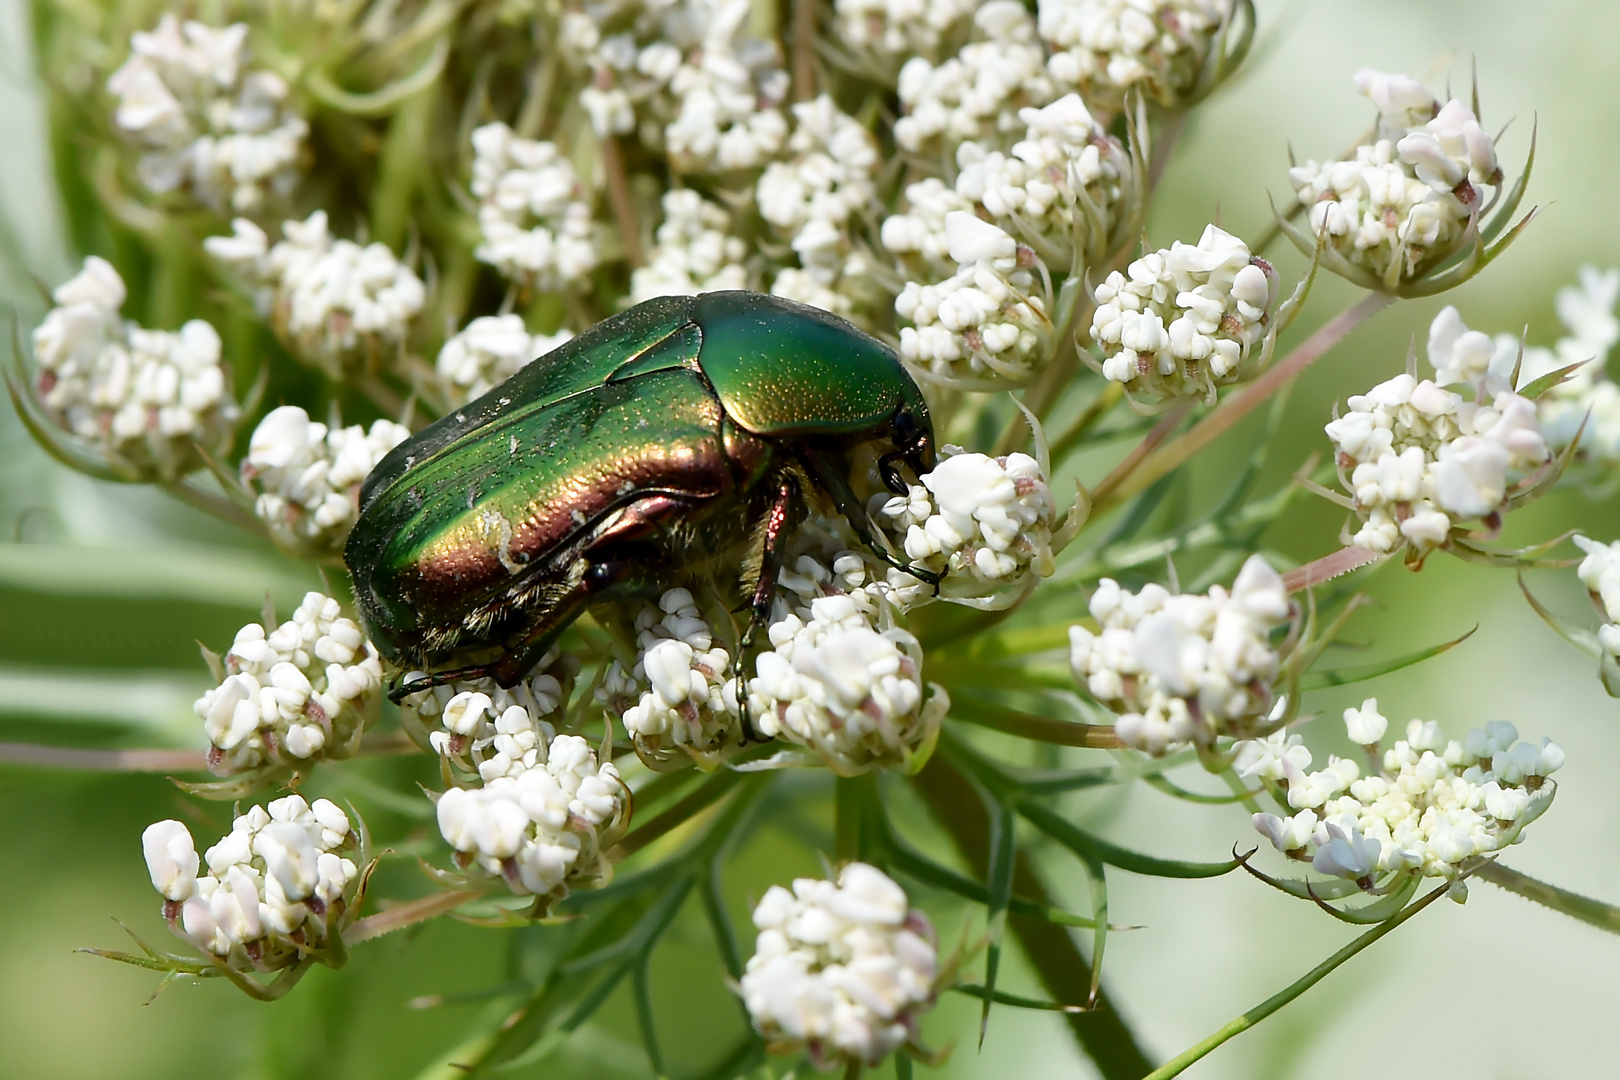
x=145, y=398
x=1181, y=668
x=489, y=729
x=302, y=691
x=891, y=31
x=1183, y=321
x=1434, y=804
x=488, y=351
x=706, y=91
x=1417, y=458
x=679, y=702
x=983, y=522
x=977, y=94
x=694, y=252
x=333, y=301
x=842, y=970
x=534, y=215
x=277, y=884
x=209, y=126
x=1600, y=573
x=1407, y=197
x=308, y=476
x=986, y=321
x=841, y=679
x=1105, y=47
x=1587, y=396
x=917, y=236
x=546, y=824
x=815, y=198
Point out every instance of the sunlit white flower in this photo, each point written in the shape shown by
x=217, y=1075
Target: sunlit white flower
x=276, y=888
x=145, y=399
x=489, y=729
x=1183, y=321
x=841, y=969
x=890, y=31
x=294, y=693
x=544, y=828
x=333, y=301
x=694, y=252
x=534, y=215
x=488, y=351
x=1185, y=668
x=1105, y=47
x=308, y=476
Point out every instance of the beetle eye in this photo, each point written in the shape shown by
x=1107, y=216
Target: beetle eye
x=906, y=429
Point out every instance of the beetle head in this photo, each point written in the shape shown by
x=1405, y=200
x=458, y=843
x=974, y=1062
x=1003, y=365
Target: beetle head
x=914, y=439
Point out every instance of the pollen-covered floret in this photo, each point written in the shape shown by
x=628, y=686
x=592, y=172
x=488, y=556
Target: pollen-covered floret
x=1183, y=668
x=144, y=399
x=278, y=886
x=488, y=729
x=292, y=694
x=1184, y=321
x=840, y=969
x=308, y=476
x=1104, y=48
x=1430, y=805
x=209, y=126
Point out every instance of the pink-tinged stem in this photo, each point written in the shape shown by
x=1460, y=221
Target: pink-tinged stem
x=65, y=757
x=1156, y=464
x=1328, y=567
x=408, y=914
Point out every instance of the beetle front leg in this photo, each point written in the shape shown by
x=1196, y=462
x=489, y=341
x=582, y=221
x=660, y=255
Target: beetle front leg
x=777, y=523
x=844, y=499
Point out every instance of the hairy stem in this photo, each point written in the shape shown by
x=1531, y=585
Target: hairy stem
x=1062, y=968
x=1592, y=912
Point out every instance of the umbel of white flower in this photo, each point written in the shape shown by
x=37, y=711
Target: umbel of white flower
x=693, y=252
x=1587, y=401
x=989, y=321
x=333, y=302
x=1418, y=458
x=534, y=215
x=1429, y=805
x=841, y=679
x=1405, y=201
x=1185, y=321
x=1181, y=668
x=841, y=970
x=279, y=885
x=977, y=94
x=546, y=824
x=293, y=694
x=813, y=200
x=144, y=400
x=210, y=127
x=1104, y=48
x=678, y=702
x=308, y=476
x=983, y=522
x=1600, y=573
x=488, y=351
x=686, y=75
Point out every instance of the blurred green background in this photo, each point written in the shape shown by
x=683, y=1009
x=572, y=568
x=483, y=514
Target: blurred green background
x=104, y=591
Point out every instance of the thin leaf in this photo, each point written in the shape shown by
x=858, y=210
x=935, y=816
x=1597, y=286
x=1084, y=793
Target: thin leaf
x=1158, y=782
x=1037, y=728
x=998, y=889
x=1001, y=997
x=907, y=860
x=1177, y=1065
x=1087, y=846
x=1345, y=676
x=644, y=1012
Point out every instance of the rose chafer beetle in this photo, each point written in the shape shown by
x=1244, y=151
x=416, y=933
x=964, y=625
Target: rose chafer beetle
x=685, y=435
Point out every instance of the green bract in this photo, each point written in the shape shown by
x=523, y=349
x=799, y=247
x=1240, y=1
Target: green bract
x=686, y=435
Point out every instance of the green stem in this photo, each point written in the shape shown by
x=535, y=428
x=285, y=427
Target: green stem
x=1592, y=912
x=1058, y=962
x=1178, y=1064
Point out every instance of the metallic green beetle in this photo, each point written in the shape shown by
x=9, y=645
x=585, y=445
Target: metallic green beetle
x=683, y=435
